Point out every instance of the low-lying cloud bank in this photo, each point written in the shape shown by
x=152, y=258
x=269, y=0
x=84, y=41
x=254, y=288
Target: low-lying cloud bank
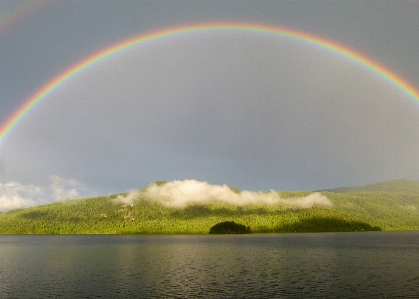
x=179, y=194
x=15, y=195
x=62, y=189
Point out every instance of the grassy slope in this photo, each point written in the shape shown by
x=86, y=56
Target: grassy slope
x=391, y=206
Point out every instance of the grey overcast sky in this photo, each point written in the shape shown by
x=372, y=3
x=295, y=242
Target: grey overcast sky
x=249, y=110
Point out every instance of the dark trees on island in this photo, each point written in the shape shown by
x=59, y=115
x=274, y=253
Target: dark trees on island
x=229, y=227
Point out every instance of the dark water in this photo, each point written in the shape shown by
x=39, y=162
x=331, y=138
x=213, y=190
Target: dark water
x=326, y=265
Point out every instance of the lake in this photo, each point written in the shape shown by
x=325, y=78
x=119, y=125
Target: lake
x=315, y=265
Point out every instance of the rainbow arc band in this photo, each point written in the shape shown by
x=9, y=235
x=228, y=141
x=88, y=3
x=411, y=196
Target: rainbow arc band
x=362, y=60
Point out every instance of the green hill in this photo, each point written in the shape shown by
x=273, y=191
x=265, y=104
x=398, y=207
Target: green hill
x=392, y=205
x=403, y=186
x=388, y=206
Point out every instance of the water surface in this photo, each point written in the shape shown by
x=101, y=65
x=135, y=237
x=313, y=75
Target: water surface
x=321, y=265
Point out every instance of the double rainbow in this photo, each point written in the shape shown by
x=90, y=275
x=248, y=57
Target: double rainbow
x=381, y=71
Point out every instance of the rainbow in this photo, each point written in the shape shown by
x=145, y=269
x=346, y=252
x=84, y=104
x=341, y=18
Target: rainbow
x=362, y=60
x=17, y=12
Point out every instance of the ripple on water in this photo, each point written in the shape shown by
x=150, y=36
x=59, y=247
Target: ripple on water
x=345, y=265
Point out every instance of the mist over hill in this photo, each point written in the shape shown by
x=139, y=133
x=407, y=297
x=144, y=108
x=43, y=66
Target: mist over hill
x=193, y=207
x=181, y=194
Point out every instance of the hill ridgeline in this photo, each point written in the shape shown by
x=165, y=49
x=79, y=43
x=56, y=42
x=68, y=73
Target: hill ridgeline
x=192, y=207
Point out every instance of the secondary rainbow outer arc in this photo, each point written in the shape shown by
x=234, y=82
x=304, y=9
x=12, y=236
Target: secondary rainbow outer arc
x=370, y=64
x=19, y=11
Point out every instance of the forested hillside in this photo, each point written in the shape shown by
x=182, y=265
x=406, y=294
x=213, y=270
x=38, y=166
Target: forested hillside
x=392, y=205
x=387, y=206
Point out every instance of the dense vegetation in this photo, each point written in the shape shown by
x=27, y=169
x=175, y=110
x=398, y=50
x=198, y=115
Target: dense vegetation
x=229, y=227
x=389, y=206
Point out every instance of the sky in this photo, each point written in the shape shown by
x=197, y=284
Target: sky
x=250, y=110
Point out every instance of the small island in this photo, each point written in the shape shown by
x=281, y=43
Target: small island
x=230, y=227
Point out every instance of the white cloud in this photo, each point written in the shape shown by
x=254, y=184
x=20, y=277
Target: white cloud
x=127, y=199
x=177, y=194
x=65, y=188
x=15, y=195
x=183, y=193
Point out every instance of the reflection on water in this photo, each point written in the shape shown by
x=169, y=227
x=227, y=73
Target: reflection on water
x=326, y=265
